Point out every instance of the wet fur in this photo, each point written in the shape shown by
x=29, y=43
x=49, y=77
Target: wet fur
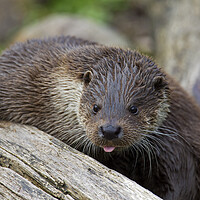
x=54, y=83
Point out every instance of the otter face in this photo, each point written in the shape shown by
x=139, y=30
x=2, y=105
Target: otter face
x=122, y=102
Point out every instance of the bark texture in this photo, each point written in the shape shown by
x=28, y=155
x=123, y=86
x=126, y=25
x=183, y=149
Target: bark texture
x=35, y=165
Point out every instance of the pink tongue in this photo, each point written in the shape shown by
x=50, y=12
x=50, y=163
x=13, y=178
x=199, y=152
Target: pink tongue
x=108, y=149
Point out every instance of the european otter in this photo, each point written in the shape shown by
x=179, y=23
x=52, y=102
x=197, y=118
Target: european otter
x=115, y=105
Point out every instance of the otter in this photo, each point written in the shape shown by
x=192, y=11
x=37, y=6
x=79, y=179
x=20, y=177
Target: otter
x=113, y=104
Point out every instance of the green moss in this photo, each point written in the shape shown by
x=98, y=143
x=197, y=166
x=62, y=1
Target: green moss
x=100, y=10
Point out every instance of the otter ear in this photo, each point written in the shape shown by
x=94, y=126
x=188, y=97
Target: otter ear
x=87, y=77
x=159, y=83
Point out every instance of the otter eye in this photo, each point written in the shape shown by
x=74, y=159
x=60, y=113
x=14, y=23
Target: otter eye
x=133, y=110
x=96, y=108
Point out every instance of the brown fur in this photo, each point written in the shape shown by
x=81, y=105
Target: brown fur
x=80, y=92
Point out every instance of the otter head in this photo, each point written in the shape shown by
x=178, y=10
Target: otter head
x=125, y=97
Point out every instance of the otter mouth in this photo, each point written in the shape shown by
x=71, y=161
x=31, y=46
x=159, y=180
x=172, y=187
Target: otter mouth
x=110, y=139
x=108, y=149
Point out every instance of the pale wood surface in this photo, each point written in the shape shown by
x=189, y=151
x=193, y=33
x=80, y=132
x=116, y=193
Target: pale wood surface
x=35, y=165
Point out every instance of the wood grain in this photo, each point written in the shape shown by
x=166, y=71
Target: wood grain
x=35, y=165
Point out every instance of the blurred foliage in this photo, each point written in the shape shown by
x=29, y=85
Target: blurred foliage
x=34, y=10
x=101, y=10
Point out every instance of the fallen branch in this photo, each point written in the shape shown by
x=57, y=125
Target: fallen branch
x=35, y=165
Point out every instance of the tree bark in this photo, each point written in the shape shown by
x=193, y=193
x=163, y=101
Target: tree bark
x=35, y=165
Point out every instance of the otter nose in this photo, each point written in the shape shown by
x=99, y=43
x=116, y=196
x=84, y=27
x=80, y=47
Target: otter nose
x=110, y=132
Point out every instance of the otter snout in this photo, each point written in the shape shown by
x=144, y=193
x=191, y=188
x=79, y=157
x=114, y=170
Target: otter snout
x=110, y=132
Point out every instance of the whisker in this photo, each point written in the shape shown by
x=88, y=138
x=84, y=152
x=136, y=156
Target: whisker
x=134, y=151
x=163, y=134
x=157, y=140
x=168, y=128
x=175, y=132
x=172, y=130
x=148, y=151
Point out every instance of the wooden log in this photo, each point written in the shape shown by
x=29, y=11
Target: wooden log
x=35, y=165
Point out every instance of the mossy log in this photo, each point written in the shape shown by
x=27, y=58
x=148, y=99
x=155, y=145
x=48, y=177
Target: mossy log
x=35, y=165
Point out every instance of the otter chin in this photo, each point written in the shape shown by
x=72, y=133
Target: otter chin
x=115, y=105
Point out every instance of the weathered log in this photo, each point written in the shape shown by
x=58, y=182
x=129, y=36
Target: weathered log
x=35, y=165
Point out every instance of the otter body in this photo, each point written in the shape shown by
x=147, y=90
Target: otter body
x=115, y=105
